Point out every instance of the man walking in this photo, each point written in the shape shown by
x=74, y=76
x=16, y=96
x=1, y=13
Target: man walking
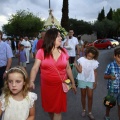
x=71, y=43
x=5, y=60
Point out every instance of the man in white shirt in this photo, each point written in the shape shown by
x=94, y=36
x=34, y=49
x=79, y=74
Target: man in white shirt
x=27, y=47
x=71, y=43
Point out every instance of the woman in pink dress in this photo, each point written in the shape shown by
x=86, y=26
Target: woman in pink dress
x=54, y=67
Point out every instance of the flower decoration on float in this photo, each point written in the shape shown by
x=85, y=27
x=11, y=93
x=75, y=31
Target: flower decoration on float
x=62, y=30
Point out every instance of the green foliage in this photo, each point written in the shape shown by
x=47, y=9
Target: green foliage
x=23, y=23
x=101, y=15
x=65, y=17
x=110, y=14
x=80, y=26
x=105, y=28
x=116, y=18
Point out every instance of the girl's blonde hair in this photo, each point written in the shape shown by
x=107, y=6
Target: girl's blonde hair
x=6, y=90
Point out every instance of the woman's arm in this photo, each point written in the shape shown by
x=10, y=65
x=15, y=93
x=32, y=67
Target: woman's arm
x=70, y=75
x=32, y=113
x=33, y=72
x=0, y=108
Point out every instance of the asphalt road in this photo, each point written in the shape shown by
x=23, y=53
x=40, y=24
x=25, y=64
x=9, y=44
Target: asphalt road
x=74, y=105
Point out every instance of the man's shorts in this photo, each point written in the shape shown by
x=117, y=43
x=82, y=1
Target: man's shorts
x=83, y=84
x=23, y=64
x=117, y=97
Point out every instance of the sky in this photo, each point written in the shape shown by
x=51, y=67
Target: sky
x=86, y=10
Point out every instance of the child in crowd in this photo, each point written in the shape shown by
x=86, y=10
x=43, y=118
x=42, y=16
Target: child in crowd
x=22, y=56
x=83, y=48
x=87, y=81
x=112, y=74
x=16, y=102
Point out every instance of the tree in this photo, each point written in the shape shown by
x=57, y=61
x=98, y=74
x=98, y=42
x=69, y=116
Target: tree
x=23, y=23
x=110, y=14
x=105, y=28
x=80, y=26
x=116, y=18
x=65, y=17
x=101, y=15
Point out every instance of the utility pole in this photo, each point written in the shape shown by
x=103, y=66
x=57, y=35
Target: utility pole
x=49, y=5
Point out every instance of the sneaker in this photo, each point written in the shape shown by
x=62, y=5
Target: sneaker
x=91, y=116
x=83, y=113
x=107, y=118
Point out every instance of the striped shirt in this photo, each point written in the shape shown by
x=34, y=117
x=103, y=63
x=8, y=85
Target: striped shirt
x=113, y=69
x=5, y=53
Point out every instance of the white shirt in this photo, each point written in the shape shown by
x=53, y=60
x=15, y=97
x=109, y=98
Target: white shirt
x=17, y=110
x=26, y=43
x=72, y=43
x=88, y=67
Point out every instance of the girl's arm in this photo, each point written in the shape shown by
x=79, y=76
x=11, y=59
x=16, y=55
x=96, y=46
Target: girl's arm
x=70, y=75
x=32, y=113
x=0, y=108
x=33, y=72
x=95, y=83
x=78, y=67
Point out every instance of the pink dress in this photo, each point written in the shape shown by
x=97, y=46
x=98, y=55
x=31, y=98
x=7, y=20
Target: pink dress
x=52, y=95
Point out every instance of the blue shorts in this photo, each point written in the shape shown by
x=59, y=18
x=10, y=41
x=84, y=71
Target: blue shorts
x=83, y=84
x=117, y=97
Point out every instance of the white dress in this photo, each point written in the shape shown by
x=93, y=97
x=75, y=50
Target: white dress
x=88, y=67
x=17, y=110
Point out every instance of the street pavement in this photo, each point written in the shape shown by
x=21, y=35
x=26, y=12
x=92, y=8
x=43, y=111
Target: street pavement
x=73, y=101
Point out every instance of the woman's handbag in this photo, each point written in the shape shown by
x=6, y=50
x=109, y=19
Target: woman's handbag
x=66, y=85
x=109, y=100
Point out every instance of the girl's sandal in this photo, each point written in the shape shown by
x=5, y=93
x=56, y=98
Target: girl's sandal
x=83, y=113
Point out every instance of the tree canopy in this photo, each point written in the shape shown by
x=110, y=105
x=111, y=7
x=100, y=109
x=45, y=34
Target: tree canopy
x=23, y=23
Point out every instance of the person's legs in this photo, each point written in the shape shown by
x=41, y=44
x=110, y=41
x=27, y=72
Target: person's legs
x=27, y=55
x=51, y=115
x=2, y=70
x=71, y=60
x=119, y=111
x=118, y=102
x=83, y=98
x=90, y=101
x=107, y=112
x=90, y=98
x=83, y=101
x=57, y=116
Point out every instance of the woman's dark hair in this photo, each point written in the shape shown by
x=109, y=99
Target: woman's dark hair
x=92, y=50
x=49, y=41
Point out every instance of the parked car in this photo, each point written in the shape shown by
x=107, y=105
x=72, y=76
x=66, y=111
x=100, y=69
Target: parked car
x=114, y=42
x=102, y=44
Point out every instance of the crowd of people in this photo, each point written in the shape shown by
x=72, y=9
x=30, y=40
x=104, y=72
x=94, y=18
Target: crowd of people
x=55, y=58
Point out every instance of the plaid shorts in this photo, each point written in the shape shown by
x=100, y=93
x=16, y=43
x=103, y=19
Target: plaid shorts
x=117, y=97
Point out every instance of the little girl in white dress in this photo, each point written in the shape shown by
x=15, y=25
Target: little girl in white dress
x=87, y=81
x=16, y=102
